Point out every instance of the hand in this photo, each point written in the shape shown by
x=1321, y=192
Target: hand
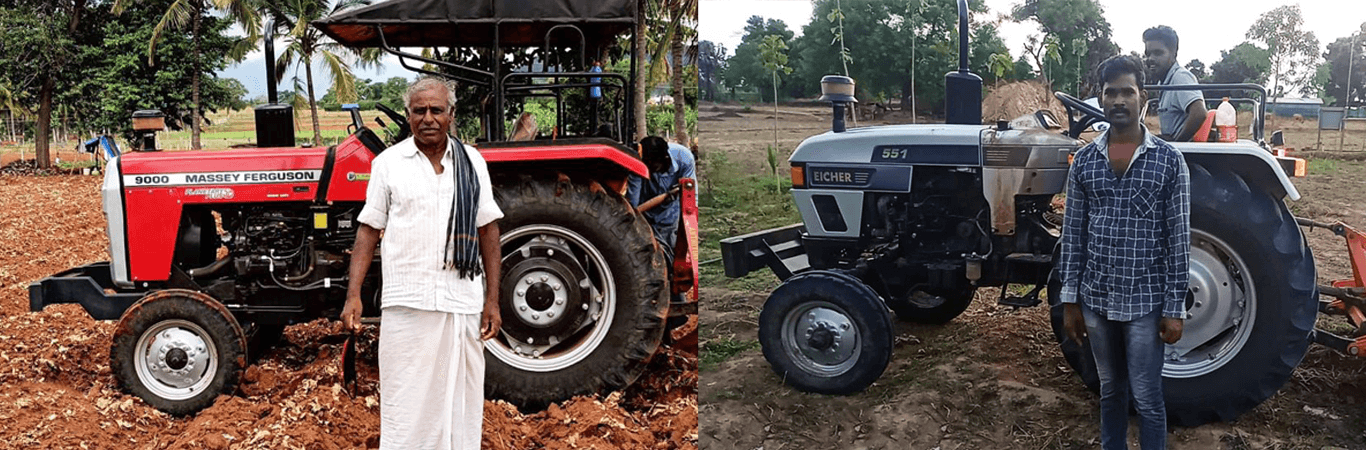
x=1073, y=323
x=1170, y=330
x=350, y=315
x=491, y=320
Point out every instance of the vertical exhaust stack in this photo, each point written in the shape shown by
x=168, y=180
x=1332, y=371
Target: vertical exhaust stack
x=146, y=124
x=838, y=90
x=274, y=122
x=962, y=88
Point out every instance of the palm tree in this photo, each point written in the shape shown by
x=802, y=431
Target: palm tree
x=681, y=34
x=304, y=44
x=190, y=12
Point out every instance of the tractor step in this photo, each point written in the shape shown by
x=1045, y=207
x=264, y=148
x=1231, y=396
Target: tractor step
x=1029, y=300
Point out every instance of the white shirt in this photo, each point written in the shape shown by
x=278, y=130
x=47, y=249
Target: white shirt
x=408, y=200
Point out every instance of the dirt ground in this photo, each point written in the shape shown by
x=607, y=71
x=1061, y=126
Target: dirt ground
x=994, y=377
x=60, y=393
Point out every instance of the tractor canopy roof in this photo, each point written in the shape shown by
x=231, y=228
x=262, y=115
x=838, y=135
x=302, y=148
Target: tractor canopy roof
x=473, y=23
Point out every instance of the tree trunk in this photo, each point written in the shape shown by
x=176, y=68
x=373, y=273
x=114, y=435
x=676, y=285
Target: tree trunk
x=680, y=98
x=194, y=87
x=312, y=104
x=41, y=138
x=775, y=110
x=913, y=78
x=638, y=60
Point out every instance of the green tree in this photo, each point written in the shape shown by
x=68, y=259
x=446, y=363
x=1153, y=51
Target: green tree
x=746, y=68
x=1022, y=70
x=180, y=14
x=773, y=55
x=711, y=67
x=1082, y=38
x=116, y=78
x=305, y=45
x=908, y=46
x=1344, y=53
x=1198, y=69
x=236, y=92
x=1244, y=63
x=38, y=57
x=1293, y=50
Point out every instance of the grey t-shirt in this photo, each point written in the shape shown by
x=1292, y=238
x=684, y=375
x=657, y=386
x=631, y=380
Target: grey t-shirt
x=1171, y=105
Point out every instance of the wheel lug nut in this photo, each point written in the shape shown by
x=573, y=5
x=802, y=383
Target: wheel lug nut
x=544, y=278
x=844, y=326
x=535, y=316
x=559, y=302
x=529, y=281
x=521, y=308
x=521, y=293
x=550, y=252
x=555, y=286
x=585, y=306
x=550, y=314
x=528, y=341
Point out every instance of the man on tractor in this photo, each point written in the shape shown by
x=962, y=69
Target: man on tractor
x=1181, y=113
x=1125, y=255
x=439, y=298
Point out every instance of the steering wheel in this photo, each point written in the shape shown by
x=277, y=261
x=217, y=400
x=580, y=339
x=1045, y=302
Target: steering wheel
x=403, y=129
x=1089, y=114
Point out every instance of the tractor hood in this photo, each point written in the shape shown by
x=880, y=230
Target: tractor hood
x=470, y=23
x=937, y=144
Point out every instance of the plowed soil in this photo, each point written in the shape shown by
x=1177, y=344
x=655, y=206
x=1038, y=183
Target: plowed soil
x=59, y=392
x=994, y=378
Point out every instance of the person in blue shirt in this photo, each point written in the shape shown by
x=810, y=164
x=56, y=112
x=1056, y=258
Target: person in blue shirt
x=657, y=197
x=1125, y=255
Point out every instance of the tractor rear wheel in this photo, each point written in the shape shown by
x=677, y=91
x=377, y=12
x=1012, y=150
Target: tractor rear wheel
x=584, y=297
x=1252, y=303
x=178, y=350
x=826, y=332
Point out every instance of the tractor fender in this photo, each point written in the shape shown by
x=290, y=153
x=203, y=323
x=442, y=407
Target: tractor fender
x=1248, y=160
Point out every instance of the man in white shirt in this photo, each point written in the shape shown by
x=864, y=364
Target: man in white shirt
x=439, y=297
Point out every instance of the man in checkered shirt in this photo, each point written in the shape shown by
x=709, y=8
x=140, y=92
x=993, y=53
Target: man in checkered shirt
x=1125, y=246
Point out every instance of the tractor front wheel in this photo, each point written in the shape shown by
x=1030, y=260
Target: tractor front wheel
x=826, y=332
x=178, y=350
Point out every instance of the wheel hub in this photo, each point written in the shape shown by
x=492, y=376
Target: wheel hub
x=556, y=299
x=1220, y=313
x=828, y=339
x=175, y=359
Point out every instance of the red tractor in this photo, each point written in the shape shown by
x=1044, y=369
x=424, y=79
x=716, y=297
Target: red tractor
x=213, y=253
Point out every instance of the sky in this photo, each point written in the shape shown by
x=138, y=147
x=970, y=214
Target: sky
x=252, y=73
x=1205, y=27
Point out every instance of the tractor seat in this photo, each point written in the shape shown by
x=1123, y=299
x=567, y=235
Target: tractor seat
x=1202, y=134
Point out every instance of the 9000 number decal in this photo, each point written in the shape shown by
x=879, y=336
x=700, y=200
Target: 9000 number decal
x=151, y=179
x=224, y=178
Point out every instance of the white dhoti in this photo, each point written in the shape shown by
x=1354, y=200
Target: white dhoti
x=431, y=380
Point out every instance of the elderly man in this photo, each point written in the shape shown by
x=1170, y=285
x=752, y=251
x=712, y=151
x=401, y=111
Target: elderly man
x=430, y=193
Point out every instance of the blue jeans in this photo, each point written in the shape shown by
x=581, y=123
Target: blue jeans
x=1129, y=360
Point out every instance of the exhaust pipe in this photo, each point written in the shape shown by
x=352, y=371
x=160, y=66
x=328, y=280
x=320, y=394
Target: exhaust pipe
x=272, y=94
x=963, y=89
x=838, y=90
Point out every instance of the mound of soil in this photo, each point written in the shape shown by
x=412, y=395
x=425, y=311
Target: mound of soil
x=1007, y=101
x=60, y=392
